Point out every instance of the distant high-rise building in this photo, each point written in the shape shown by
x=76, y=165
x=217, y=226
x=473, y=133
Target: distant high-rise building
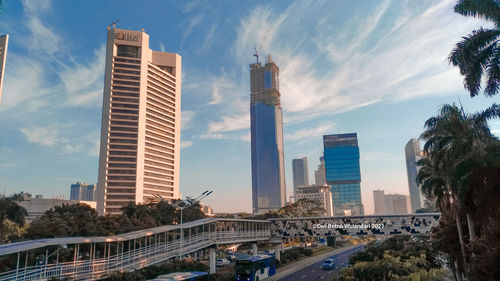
x=268, y=170
x=379, y=202
x=320, y=174
x=320, y=193
x=395, y=204
x=343, y=173
x=82, y=192
x=141, y=119
x=4, y=42
x=413, y=154
x=300, y=173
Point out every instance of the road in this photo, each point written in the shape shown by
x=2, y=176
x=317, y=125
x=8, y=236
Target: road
x=312, y=272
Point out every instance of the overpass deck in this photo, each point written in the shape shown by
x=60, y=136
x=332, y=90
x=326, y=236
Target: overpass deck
x=92, y=258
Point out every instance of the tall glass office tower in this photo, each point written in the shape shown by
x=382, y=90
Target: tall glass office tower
x=341, y=154
x=268, y=170
x=300, y=173
x=413, y=154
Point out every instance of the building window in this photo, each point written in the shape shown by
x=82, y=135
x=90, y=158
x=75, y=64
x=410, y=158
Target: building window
x=127, y=51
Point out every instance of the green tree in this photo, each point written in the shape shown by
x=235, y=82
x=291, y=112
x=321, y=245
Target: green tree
x=303, y=208
x=456, y=145
x=65, y=221
x=10, y=210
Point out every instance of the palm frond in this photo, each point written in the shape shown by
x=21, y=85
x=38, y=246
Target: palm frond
x=491, y=112
x=487, y=9
x=473, y=55
x=493, y=74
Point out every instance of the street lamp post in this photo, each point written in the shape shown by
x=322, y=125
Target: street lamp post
x=187, y=203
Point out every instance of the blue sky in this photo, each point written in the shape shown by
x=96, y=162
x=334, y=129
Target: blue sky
x=377, y=68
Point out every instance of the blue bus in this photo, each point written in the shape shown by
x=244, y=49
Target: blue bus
x=183, y=276
x=255, y=268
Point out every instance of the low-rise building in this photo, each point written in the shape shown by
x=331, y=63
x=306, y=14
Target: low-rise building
x=320, y=193
x=37, y=206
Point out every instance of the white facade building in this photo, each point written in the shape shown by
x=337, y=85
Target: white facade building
x=320, y=193
x=141, y=119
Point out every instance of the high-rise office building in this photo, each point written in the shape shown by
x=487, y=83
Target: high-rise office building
x=300, y=173
x=82, y=191
x=379, y=202
x=268, y=170
x=320, y=174
x=413, y=154
x=343, y=173
x=4, y=42
x=395, y=204
x=141, y=114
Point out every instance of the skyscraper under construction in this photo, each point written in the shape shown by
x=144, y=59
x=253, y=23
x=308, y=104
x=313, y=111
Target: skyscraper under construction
x=268, y=171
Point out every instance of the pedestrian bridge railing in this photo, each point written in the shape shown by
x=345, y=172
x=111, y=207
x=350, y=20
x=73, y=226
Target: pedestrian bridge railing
x=93, y=258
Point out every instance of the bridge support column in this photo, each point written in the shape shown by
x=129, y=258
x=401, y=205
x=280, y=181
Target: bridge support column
x=277, y=252
x=254, y=249
x=212, y=258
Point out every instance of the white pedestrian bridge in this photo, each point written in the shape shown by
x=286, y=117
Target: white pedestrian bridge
x=92, y=258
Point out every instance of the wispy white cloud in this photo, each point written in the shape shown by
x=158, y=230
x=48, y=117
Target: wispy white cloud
x=31, y=96
x=221, y=85
x=207, y=43
x=216, y=96
x=186, y=144
x=186, y=118
x=84, y=82
x=58, y=136
x=50, y=136
x=46, y=136
x=257, y=30
x=162, y=47
x=193, y=6
x=311, y=132
x=395, y=65
x=230, y=123
x=190, y=24
x=42, y=37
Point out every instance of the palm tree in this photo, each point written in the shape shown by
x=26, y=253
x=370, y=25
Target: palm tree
x=433, y=183
x=478, y=54
x=456, y=144
x=10, y=210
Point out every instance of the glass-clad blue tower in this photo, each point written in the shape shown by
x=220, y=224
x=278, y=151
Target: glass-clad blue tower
x=268, y=171
x=341, y=154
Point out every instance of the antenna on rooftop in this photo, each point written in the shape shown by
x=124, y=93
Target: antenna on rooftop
x=113, y=24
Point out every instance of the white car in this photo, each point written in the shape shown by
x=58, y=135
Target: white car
x=223, y=262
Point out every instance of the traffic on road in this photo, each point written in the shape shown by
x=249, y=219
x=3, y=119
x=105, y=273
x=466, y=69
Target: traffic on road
x=324, y=269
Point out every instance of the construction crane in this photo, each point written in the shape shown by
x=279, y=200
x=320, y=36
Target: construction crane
x=256, y=54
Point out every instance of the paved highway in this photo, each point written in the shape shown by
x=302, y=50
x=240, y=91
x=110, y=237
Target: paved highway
x=314, y=272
